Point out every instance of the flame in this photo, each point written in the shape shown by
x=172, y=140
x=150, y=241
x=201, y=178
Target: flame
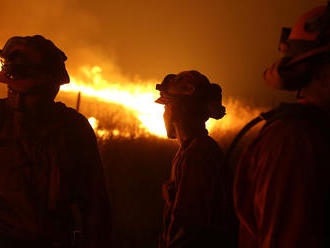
x=93, y=122
x=2, y=61
x=138, y=97
x=238, y=115
x=102, y=133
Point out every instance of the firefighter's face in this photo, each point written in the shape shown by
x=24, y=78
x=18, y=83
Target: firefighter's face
x=30, y=102
x=169, y=121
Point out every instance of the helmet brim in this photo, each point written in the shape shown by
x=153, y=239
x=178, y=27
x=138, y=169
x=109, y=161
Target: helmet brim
x=166, y=100
x=309, y=54
x=273, y=77
x=160, y=100
x=170, y=98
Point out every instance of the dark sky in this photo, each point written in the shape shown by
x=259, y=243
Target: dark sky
x=229, y=41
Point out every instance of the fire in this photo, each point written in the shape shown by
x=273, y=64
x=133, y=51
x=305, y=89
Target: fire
x=104, y=133
x=1, y=63
x=93, y=122
x=139, y=98
x=237, y=116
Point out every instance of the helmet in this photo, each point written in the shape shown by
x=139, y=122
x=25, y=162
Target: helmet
x=306, y=42
x=192, y=87
x=32, y=61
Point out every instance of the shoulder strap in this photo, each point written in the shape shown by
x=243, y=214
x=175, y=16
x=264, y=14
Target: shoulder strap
x=264, y=116
x=283, y=111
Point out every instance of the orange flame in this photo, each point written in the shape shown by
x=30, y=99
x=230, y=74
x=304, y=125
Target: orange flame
x=134, y=96
x=1, y=63
x=139, y=98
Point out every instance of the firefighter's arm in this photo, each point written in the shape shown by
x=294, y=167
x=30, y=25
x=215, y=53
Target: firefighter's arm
x=90, y=190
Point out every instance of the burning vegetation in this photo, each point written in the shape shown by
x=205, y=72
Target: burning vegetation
x=121, y=108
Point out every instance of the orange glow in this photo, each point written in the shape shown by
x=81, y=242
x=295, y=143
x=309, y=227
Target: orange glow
x=237, y=116
x=138, y=97
x=93, y=122
x=102, y=133
x=1, y=63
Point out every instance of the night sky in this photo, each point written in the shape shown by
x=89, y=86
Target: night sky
x=229, y=41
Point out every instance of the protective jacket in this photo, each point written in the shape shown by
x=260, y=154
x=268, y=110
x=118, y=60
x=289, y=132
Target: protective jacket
x=46, y=167
x=282, y=186
x=197, y=212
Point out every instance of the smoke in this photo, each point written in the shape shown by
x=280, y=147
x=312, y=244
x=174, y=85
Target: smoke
x=229, y=41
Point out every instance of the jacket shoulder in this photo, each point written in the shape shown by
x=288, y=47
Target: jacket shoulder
x=70, y=116
x=297, y=112
x=297, y=118
x=205, y=146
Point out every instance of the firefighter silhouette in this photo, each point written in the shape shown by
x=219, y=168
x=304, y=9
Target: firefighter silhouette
x=50, y=162
x=282, y=184
x=197, y=211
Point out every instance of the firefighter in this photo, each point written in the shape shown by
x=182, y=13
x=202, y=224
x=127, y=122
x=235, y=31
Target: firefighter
x=49, y=160
x=196, y=209
x=282, y=186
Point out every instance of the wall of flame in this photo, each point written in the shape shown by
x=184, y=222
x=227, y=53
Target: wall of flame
x=138, y=97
